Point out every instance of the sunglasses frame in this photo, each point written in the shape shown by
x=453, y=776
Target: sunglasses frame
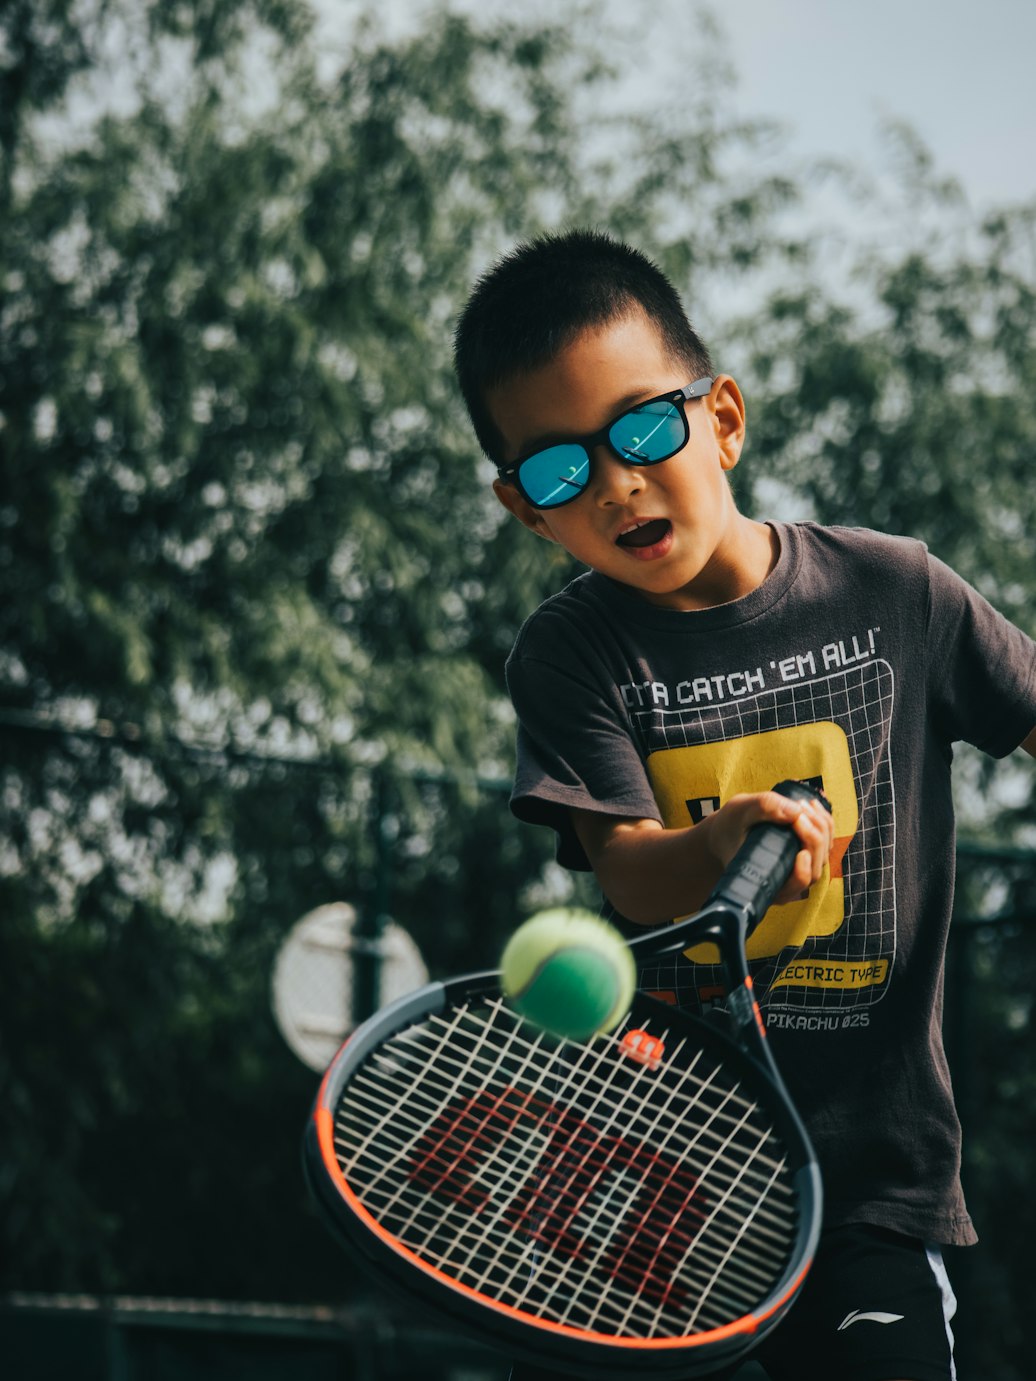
x=510, y=474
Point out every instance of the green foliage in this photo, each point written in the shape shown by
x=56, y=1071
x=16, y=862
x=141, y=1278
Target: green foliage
x=46, y=43
x=245, y=511
x=255, y=591
x=248, y=551
x=909, y=403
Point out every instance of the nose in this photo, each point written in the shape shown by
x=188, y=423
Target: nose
x=614, y=482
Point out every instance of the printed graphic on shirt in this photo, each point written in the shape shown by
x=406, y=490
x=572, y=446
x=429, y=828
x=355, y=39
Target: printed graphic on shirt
x=832, y=953
x=714, y=772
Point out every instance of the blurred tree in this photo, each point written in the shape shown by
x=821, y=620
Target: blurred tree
x=905, y=398
x=46, y=44
x=248, y=555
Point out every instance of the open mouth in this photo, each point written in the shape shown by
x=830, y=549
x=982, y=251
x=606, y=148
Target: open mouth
x=646, y=534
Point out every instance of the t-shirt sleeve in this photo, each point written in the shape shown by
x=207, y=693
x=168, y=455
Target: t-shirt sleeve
x=574, y=749
x=981, y=668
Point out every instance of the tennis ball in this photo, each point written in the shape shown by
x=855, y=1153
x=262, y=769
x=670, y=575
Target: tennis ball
x=568, y=972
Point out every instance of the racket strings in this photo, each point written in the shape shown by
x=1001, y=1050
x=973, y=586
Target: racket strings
x=598, y=1081
x=411, y=1120
x=506, y=1160
x=569, y=1181
x=555, y=1242
x=654, y=1247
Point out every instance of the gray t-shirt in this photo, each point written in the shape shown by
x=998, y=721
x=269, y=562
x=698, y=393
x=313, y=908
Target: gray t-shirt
x=856, y=664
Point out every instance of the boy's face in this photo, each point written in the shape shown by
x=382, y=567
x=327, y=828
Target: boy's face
x=698, y=547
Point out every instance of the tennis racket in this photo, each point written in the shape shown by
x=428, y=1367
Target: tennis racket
x=642, y=1202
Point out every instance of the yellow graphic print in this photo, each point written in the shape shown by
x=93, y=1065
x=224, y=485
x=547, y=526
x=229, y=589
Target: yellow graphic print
x=817, y=973
x=691, y=782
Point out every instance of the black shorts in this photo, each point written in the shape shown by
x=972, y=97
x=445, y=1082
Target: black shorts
x=875, y=1307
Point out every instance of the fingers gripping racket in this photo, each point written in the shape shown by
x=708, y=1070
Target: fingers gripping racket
x=645, y=1201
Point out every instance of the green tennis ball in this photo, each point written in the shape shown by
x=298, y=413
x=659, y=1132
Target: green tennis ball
x=569, y=972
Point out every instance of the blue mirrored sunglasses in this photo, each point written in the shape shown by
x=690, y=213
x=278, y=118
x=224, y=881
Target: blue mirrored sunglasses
x=644, y=435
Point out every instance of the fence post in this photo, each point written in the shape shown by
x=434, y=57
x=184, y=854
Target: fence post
x=367, y=937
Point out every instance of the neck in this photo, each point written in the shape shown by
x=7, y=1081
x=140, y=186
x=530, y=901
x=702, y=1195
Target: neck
x=739, y=565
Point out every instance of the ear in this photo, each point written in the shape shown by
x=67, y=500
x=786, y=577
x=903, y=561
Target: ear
x=529, y=517
x=727, y=412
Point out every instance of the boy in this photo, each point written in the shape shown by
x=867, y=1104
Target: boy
x=701, y=658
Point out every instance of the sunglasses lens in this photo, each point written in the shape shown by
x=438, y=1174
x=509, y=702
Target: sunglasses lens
x=552, y=477
x=646, y=435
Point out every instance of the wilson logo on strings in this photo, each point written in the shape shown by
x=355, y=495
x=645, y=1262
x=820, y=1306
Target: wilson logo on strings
x=566, y=1198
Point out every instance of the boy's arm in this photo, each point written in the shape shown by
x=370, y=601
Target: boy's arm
x=651, y=874
x=1029, y=744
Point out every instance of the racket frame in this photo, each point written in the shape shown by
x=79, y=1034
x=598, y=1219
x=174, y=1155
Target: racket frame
x=500, y=1325
x=736, y=906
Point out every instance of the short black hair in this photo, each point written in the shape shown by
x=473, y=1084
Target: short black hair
x=542, y=295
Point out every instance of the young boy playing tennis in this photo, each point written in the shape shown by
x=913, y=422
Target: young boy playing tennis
x=702, y=658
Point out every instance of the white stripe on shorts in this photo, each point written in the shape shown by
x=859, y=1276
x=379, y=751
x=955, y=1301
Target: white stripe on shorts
x=949, y=1299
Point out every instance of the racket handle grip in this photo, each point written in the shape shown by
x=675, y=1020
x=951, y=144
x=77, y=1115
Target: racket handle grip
x=760, y=868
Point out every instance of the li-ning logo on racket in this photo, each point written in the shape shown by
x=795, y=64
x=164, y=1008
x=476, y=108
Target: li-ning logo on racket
x=565, y=1200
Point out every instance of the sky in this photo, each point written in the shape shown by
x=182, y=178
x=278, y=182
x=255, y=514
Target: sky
x=959, y=72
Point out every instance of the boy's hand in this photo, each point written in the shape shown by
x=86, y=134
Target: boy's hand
x=725, y=831
x=651, y=874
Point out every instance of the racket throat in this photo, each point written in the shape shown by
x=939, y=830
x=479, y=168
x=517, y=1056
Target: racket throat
x=742, y=1005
